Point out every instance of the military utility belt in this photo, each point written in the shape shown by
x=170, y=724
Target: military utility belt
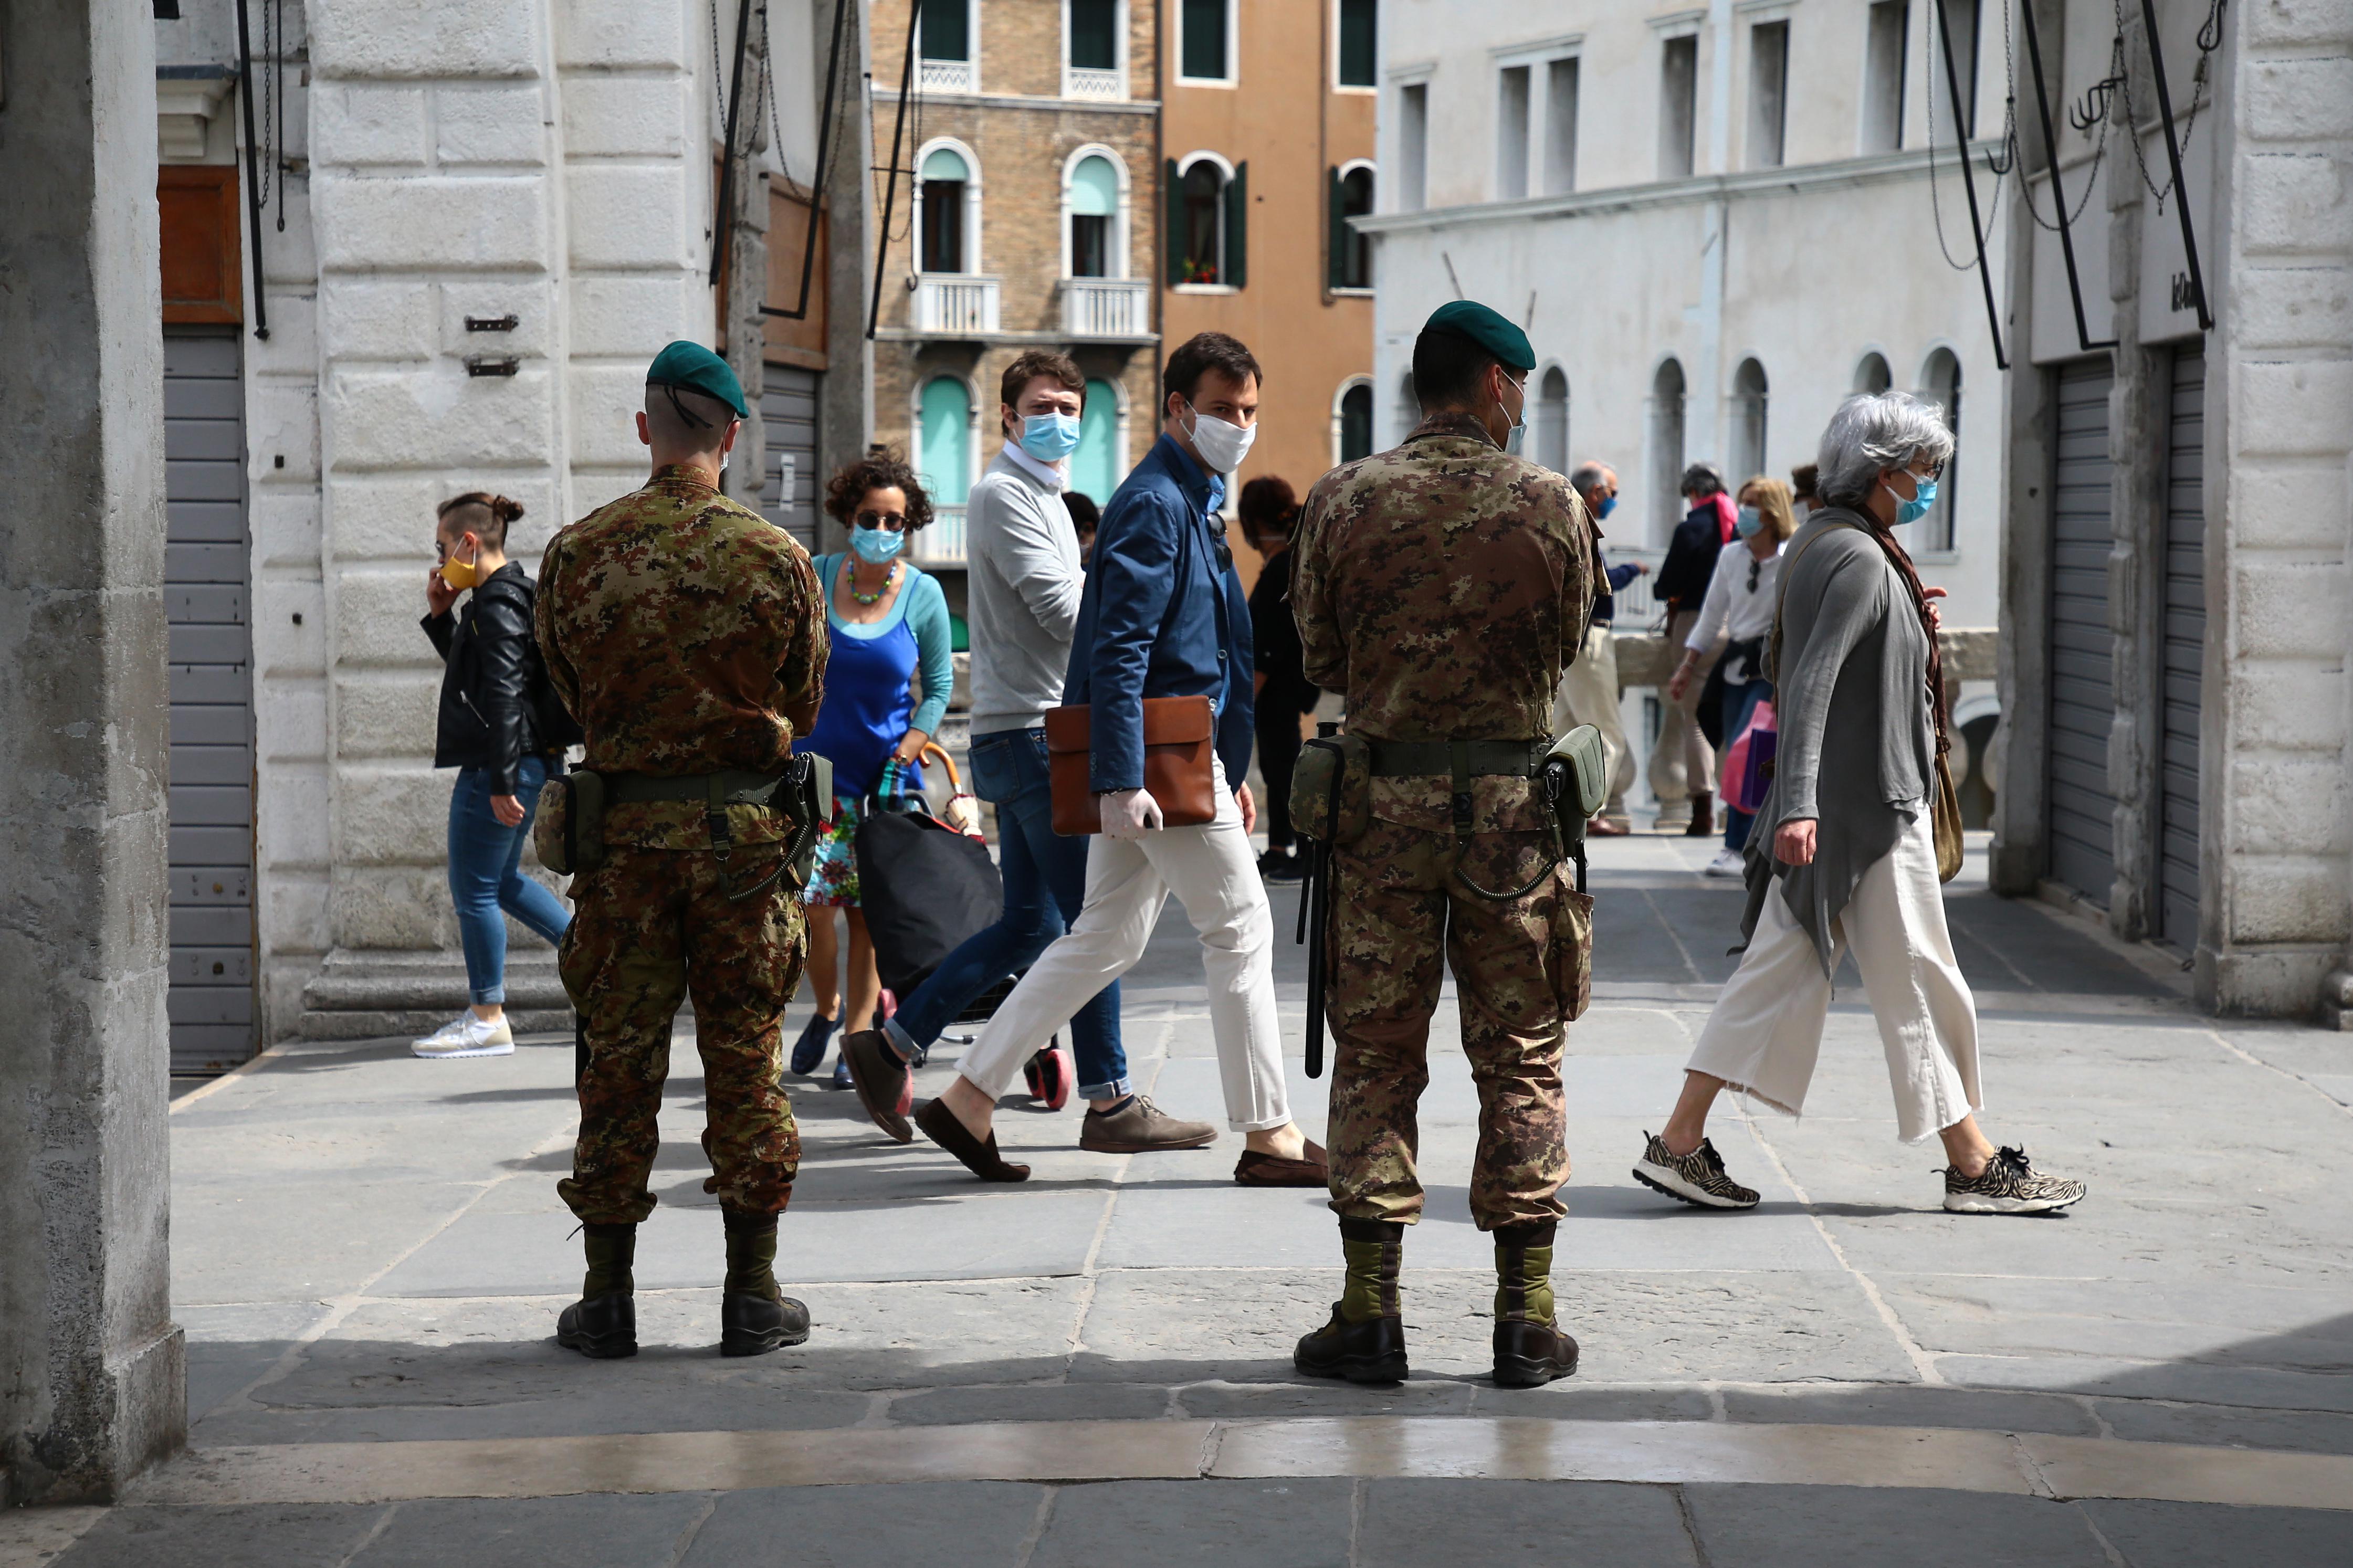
x=1473, y=758
x=570, y=834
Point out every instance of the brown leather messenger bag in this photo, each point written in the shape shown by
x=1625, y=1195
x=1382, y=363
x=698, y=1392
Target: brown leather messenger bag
x=1179, y=764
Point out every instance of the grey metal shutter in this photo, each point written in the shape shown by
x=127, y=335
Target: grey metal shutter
x=2185, y=649
x=207, y=604
x=2081, y=825
x=788, y=401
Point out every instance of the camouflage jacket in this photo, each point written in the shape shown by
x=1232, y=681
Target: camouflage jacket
x=1443, y=586
x=686, y=634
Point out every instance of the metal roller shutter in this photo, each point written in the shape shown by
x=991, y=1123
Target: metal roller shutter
x=788, y=419
x=2185, y=649
x=208, y=603
x=2081, y=825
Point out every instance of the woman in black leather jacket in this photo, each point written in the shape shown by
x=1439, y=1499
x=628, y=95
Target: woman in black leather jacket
x=487, y=730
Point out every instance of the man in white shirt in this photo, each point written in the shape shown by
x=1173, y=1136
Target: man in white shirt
x=1025, y=583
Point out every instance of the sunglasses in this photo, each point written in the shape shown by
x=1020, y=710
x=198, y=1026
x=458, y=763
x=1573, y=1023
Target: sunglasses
x=890, y=522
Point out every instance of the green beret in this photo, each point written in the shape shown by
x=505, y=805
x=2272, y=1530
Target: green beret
x=690, y=367
x=1469, y=319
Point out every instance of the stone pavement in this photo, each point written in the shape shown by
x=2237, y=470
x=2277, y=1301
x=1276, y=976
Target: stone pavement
x=1094, y=1367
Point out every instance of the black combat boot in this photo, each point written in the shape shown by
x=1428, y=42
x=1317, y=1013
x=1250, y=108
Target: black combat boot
x=1365, y=1341
x=1530, y=1351
x=602, y=1323
x=754, y=1316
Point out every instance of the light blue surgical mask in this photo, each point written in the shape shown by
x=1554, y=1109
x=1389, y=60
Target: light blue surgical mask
x=1050, y=437
x=1750, y=520
x=1915, y=509
x=876, y=545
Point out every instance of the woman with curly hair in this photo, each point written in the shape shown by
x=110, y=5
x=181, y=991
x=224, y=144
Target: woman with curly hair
x=888, y=619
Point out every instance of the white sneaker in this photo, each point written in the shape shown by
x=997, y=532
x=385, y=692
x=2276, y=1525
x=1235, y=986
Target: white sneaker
x=466, y=1036
x=1727, y=863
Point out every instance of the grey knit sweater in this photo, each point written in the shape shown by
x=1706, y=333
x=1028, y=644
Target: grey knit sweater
x=1857, y=748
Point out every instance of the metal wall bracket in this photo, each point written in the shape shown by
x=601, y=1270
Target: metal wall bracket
x=492, y=365
x=506, y=323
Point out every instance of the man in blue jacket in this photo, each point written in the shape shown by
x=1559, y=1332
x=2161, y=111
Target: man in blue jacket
x=1163, y=616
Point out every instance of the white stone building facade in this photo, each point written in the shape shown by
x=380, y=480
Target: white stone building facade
x=1715, y=221
x=486, y=217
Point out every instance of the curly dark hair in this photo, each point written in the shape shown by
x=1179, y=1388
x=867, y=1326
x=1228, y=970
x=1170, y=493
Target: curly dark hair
x=882, y=467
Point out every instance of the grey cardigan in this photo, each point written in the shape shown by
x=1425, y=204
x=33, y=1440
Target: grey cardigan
x=1024, y=581
x=1857, y=750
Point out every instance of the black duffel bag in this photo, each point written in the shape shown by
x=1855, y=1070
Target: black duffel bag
x=924, y=887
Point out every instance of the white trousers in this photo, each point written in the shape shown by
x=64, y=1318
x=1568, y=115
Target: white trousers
x=1589, y=695
x=1212, y=872
x=1767, y=1031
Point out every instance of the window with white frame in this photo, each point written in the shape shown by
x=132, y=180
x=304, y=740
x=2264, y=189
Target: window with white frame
x=1208, y=217
x=1094, y=55
x=1097, y=467
x=947, y=217
x=1511, y=133
x=1953, y=25
x=1352, y=420
x=1359, y=43
x=1552, y=419
x=1560, y=126
x=1883, y=75
x=1205, y=41
x=1666, y=450
x=1871, y=374
x=1349, y=254
x=945, y=441
x=1098, y=247
x=1413, y=146
x=1678, y=105
x=947, y=30
x=1940, y=383
x=1748, y=397
x=1769, y=93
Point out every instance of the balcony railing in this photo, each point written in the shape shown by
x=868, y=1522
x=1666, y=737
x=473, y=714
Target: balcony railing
x=942, y=542
x=944, y=76
x=1103, y=85
x=955, y=304
x=1106, y=307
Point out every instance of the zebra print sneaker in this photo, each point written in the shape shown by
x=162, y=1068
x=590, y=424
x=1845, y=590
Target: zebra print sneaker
x=2009, y=1184
x=1697, y=1178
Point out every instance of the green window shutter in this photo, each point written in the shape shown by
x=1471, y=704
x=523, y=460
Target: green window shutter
x=1336, y=231
x=1237, y=272
x=1173, y=223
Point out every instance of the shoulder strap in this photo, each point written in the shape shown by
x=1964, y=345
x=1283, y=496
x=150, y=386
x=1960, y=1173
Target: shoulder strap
x=1781, y=593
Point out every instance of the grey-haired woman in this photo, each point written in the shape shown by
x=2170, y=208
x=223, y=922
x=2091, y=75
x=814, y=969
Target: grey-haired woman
x=1846, y=860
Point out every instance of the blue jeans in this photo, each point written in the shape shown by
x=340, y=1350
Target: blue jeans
x=1045, y=879
x=483, y=856
x=1738, y=700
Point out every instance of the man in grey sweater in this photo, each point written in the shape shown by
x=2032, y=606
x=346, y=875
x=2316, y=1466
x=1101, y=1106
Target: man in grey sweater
x=1025, y=581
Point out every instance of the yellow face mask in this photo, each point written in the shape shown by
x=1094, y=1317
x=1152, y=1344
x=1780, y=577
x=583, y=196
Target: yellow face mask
x=460, y=574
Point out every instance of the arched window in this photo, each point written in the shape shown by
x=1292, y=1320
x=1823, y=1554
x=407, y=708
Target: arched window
x=944, y=454
x=1748, y=424
x=1095, y=466
x=1940, y=383
x=1350, y=260
x=1352, y=420
x=1871, y=374
x=1667, y=449
x=948, y=194
x=1551, y=420
x=1098, y=247
x=1209, y=205
x=1408, y=406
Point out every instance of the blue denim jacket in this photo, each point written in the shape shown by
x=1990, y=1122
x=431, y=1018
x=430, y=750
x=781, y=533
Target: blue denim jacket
x=1163, y=614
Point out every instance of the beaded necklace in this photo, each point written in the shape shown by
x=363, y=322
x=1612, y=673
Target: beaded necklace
x=875, y=597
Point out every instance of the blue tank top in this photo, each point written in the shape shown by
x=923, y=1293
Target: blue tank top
x=869, y=692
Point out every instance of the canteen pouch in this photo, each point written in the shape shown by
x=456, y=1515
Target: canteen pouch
x=1331, y=788
x=569, y=833
x=1588, y=768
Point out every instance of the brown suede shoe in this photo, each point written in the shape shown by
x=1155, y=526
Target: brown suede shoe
x=941, y=1126
x=885, y=1087
x=1603, y=827
x=1257, y=1170
x=1140, y=1127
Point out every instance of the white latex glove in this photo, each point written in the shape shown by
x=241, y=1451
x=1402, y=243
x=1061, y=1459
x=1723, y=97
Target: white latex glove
x=964, y=815
x=1128, y=813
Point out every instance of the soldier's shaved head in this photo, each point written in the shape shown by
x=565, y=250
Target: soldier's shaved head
x=679, y=420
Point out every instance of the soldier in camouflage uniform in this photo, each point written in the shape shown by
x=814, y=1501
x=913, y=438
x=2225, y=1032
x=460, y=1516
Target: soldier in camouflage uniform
x=1443, y=586
x=688, y=635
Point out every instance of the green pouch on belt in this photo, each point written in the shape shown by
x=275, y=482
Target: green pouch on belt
x=1588, y=763
x=569, y=832
x=1331, y=788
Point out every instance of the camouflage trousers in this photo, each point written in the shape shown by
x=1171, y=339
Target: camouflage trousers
x=1521, y=971
x=652, y=928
